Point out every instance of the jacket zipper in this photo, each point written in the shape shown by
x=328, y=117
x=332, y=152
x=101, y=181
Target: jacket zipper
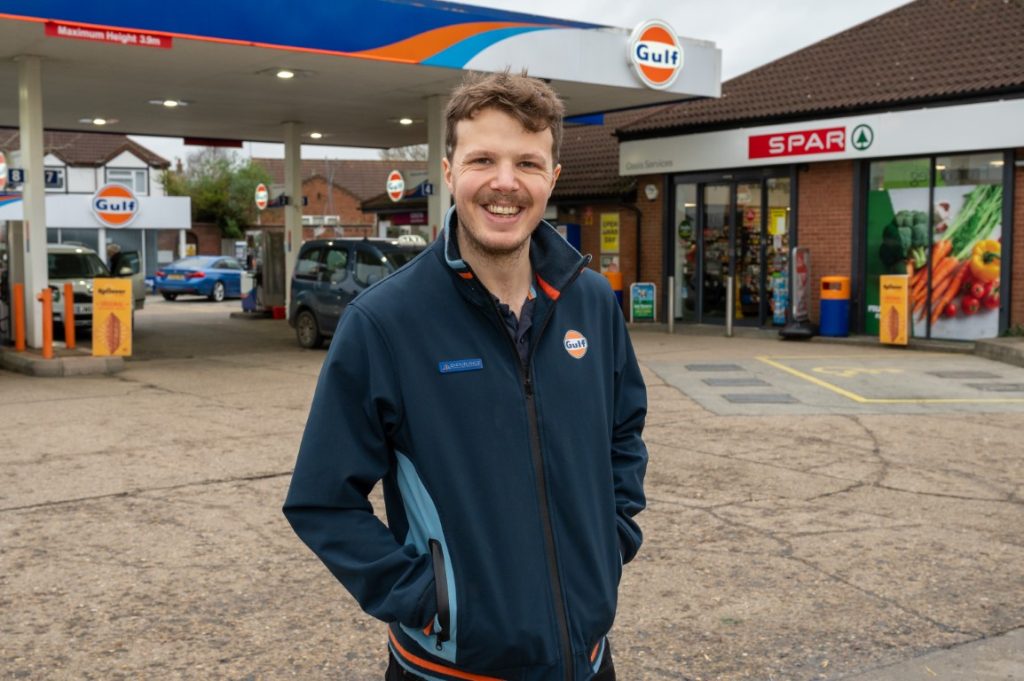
x=444, y=616
x=538, y=466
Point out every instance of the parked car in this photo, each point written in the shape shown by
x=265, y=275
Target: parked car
x=79, y=265
x=331, y=272
x=215, y=276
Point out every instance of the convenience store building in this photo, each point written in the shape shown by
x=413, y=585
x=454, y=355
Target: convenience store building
x=843, y=147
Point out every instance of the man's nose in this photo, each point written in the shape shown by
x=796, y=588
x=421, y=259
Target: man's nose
x=505, y=179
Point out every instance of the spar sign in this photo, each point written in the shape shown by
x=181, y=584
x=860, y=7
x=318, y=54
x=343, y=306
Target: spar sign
x=798, y=143
x=114, y=205
x=396, y=186
x=655, y=54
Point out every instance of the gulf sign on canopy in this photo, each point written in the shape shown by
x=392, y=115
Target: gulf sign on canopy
x=655, y=54
x=114, y=205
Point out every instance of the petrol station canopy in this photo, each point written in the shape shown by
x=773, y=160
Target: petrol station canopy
x=374, y=73
x=360, y=67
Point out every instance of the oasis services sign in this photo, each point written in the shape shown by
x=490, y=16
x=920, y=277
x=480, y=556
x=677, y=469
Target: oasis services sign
x=988, y=125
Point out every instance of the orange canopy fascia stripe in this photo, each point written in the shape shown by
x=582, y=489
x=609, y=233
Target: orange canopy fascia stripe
x=419, y=47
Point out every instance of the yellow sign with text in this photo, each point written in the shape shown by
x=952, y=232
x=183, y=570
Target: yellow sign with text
x=111, y=317
x=894, y=317
x=609, y=232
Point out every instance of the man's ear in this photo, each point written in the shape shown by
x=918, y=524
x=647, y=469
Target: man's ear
x=554, y=175
x=446, y=171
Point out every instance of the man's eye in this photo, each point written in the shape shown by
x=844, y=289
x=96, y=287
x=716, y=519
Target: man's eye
x=480, y=161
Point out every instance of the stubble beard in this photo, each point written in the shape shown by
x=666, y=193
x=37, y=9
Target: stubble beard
x=496, y=254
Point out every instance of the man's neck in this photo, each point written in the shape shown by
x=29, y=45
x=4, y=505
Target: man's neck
x=507, y=277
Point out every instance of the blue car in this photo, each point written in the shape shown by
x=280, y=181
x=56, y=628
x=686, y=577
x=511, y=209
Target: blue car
x=216, y=277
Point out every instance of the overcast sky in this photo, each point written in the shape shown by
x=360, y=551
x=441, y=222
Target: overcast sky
x=749, y=33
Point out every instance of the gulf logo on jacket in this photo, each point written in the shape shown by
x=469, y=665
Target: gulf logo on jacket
x=575, y=343
x=655, y=53
x=115, y=205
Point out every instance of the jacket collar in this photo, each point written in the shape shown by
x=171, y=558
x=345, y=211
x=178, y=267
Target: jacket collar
x=554, y=261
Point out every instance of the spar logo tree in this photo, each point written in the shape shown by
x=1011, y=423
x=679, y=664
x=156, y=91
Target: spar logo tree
x=862, y=137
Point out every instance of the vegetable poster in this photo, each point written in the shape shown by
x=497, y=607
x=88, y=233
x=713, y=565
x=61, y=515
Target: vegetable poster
x=112, y=317
x=953, y=267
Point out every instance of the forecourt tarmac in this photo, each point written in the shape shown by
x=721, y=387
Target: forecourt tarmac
x=816, y=511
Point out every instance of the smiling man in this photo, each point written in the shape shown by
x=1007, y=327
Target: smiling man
x=491, y=388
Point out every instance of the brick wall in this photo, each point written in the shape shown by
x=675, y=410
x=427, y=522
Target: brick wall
x=653, y=237
x=825, y=221
x=588, y=217
x=1017, y=263
x=324, y=199
x=206, y=237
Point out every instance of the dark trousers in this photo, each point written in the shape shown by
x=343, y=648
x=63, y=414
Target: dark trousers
x=397, y=673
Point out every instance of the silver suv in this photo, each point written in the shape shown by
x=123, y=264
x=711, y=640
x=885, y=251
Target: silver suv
x=79, y=265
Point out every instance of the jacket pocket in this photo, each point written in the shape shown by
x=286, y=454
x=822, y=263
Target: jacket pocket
x=444, y=611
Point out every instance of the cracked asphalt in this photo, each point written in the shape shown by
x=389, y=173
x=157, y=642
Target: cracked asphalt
x=825, y=538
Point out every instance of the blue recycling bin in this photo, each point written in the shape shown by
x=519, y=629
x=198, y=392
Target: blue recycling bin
x=835, y=307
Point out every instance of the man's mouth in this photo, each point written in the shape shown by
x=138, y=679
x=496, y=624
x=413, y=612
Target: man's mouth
x=497, y=209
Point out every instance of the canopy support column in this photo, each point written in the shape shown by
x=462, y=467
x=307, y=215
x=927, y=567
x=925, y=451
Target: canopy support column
x=293, y=211
x=33, y=243
x=440, y=200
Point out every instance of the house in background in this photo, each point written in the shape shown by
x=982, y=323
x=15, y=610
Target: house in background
x=333, y=193
x=77, y=165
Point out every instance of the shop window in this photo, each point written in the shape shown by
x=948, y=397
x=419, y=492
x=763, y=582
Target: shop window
x=943, y=233
x=686, y=251
x=87, y=237
x=135, y=179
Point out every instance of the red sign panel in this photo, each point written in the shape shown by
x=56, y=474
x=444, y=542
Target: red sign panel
x=60, y=29
x=797, y=143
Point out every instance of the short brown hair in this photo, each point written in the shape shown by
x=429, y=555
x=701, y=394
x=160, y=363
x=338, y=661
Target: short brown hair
x=530, y=101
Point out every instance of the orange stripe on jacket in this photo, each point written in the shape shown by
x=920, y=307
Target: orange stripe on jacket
x=434, y=667
x=419, y=47
x=593, y=655
x=549, y=290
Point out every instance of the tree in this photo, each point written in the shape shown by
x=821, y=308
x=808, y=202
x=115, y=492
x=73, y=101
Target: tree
x=416, y=152
x=221, y=185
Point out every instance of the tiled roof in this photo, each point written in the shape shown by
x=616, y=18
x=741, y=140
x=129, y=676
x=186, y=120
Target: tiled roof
x=89, y=149
x=925, y=51
x=362, y=178
x=590, y=161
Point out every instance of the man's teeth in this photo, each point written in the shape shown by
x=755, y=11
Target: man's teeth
x=503, y=210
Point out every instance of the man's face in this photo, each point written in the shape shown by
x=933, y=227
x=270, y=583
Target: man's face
x=501, y=176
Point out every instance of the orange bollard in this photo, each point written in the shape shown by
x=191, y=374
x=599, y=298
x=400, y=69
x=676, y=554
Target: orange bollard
x=69, y=315
x=18, y=298
x=46, y=298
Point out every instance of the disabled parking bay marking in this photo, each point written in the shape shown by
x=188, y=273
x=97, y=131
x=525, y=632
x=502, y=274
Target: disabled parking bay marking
x=863, y=376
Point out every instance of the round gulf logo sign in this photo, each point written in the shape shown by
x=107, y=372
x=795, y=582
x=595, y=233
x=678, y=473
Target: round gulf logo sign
x=655, y=54
x=575, y=343
x=115, y=205
x=262, y=196
x=396, y=186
